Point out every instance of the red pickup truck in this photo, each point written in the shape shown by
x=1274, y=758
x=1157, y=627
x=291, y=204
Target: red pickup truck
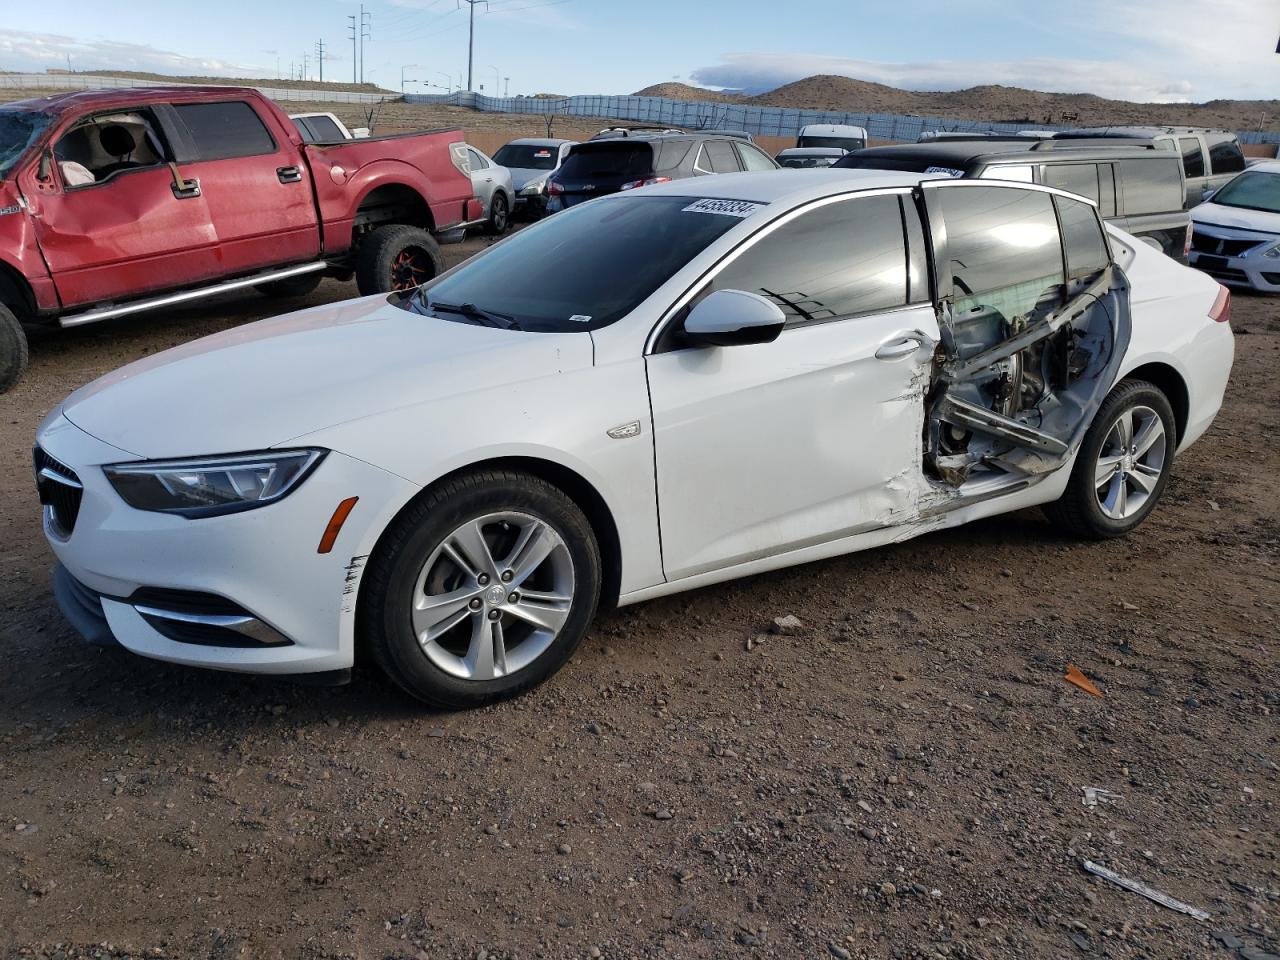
x=118, y=201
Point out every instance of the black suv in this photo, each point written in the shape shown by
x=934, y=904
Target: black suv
x=609, y=165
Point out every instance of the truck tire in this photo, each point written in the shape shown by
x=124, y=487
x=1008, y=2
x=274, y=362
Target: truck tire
x=13, y=349
x=298, y=286
x=396, y=257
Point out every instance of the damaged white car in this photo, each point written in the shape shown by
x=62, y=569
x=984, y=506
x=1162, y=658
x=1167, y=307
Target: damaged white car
x=650, y=392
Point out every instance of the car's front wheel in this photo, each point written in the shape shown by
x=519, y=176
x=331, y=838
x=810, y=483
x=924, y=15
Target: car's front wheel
x=481, y=589
x=1123, y=465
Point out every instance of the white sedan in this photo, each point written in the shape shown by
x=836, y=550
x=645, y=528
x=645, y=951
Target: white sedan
x=1236, y=232
x=651, y=392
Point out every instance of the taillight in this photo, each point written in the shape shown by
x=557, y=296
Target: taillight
x=1186, y=246
x=646, y=182
x=458, y=154
x=1222, y=306
x=554, y=189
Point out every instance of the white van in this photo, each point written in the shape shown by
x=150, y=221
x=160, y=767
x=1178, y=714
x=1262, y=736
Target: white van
x=832, y=135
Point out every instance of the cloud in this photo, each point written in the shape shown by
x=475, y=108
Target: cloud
x=757, y=72
x=24, y=52
x=1149, y=50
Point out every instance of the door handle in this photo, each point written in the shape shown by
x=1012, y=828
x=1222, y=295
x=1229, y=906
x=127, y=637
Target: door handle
x=288, y=174
x=902, y=345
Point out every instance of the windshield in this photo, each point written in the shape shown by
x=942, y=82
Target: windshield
x=803, y=162
x=525, y=156
x=840, y=143
x=582, y=269
x=1252, y=190
x=18, y=130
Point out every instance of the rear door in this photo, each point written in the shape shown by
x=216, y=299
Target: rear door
x=1194, y=168
x=127, y=231
x=1149, y=193
x=716, y=156
x=779, y=446
x=255, y=183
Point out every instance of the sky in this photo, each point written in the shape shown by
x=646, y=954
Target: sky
x=1147, y=50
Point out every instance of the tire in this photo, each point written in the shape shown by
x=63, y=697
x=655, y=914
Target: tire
x=396, y=257
x=13, y=349
x=1099, y=502
x=426, y=553
x=499, y=215
x=298, y=286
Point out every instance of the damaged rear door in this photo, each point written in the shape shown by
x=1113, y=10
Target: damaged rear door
x=1034, y=322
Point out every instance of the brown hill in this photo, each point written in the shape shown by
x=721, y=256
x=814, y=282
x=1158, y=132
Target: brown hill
x=991, y=102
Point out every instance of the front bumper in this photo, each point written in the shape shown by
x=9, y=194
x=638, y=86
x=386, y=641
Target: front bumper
x=245, y=592
x=1234, y=257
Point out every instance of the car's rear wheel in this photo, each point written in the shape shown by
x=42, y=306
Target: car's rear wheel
x=1123, y=465
x=298, y=286
x=499, y=215
x=481, y=589
x=396, y=257
x=13, y=349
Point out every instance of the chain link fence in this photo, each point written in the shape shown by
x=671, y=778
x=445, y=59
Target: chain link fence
x=58, y=81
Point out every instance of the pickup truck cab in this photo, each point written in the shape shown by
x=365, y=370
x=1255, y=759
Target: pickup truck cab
x=114, y=202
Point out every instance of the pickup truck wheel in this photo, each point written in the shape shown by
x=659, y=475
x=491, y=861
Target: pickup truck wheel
x=13, y=349
x=396, y=257
x=298, y=286
x=499, y=215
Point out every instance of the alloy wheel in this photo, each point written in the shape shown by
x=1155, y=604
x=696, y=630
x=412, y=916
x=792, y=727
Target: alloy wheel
x=411, y=268
x=493, y=596
x=1133, y=457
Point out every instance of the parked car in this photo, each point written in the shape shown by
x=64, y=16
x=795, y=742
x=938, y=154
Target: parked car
x=113, y=202
x=600, y=167
x=652, y=392
x=531, y=160
x=805, y=157
x=1237, y=230
x=493, y=186
x=325, y=128
x=1138, y=189
x=1209, y=157
x=837, y=135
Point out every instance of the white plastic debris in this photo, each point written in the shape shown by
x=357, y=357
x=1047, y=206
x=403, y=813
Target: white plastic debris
x=1136, y=886
x=1095, y=795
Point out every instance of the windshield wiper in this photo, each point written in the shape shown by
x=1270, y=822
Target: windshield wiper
x=469, y=310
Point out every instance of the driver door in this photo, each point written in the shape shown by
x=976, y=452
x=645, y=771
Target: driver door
x=767, y=448
x=126, y=231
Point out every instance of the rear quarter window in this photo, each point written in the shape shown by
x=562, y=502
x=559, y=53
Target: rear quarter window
x=1082, y=239
x=1225, y=155
x=1149, y=186
x=220, y=131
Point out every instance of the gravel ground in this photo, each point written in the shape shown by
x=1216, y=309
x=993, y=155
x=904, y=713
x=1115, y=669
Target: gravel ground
x=900, y=777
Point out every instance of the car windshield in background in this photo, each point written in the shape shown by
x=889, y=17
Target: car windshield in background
x=524, y=156
x=18, y=130
x=607, y=159
x=805, y=162
x=840, y=143
x=580, y=270
x=1252, y=191
x=851, y=161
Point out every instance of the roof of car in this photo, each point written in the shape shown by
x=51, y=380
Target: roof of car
x=793, y=186
x=956, y=152
x=120, y=96
x=1135, y=131
x=820, y=128
x=646, y=137
x=539, y=141
x=1265, y=166
x=812, y=152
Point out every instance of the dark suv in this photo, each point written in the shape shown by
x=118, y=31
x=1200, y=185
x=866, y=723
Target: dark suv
x=600, y=167
x=1136, y=187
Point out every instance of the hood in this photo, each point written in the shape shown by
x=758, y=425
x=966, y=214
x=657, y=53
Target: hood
x=523, y=176
x=266, y=383
x=1219, y=214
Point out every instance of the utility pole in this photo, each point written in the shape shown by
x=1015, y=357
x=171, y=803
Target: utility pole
x=366, y=33
x=471, y=34
x=304, y=64
x=320, y=57
x=506, y=87
x=354, y=58
x=407, y=66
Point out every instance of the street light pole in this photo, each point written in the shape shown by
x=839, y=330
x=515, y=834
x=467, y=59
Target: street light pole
x=448, y=80
x=407, y=66
x=497, y=80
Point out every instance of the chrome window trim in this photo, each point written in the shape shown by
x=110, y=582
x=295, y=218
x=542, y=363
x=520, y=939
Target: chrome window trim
x=715, y=269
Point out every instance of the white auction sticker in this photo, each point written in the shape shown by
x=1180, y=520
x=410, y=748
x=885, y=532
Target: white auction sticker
x=949, y=171
x=580, y=318
x=728, y=208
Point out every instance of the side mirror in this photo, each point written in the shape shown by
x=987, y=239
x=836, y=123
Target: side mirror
x=727, y=318
x=1208, y=194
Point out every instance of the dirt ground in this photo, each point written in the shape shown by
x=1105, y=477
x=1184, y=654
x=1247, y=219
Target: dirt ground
x=902, y=779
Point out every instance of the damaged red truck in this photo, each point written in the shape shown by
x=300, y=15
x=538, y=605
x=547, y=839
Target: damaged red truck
x=113, y=202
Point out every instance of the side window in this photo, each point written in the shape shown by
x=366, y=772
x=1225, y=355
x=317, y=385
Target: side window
x=722, y=156
x=702, y=163
x=477, y=162
x=99, y=147
x=1081, y=178
x=1107, y=190
x=1225, y=155
x=1192, y=158
x=224, y=130
x=1003, y=249
x=1082, y=239
x=841, y=259
x=1149, y=186
x=754, y=159
x=325, y=130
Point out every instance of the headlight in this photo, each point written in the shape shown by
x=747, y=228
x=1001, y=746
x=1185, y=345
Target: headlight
x=210, y=486
x=1272, y=251
x=533, y=189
